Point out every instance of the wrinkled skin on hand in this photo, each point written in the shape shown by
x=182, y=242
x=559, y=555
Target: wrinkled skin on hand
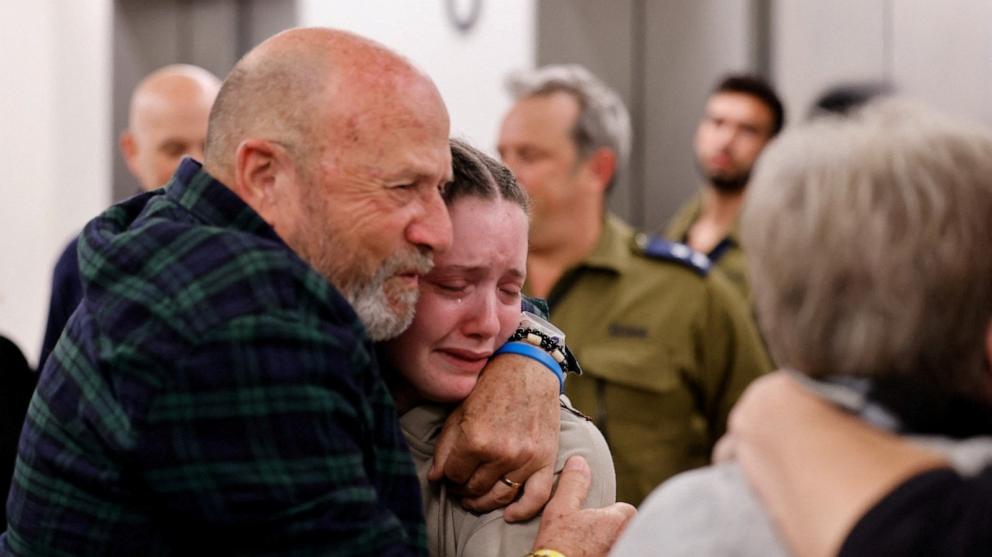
x=576, y=532
x=507, y=427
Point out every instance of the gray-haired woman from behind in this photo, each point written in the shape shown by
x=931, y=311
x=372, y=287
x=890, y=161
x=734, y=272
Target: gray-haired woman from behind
x=869, y=239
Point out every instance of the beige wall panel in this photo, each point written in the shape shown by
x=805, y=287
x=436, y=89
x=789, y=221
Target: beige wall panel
x=688, y=46
x=599, y=35
x=818, y=44
x=942, y=54
x=209, y=33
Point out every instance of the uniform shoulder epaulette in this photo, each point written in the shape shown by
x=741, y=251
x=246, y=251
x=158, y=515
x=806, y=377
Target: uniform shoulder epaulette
x=657, y=247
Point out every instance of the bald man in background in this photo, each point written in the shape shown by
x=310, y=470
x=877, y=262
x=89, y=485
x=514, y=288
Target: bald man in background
x=167, y=121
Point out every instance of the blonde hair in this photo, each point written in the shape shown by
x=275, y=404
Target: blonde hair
x=870, y=244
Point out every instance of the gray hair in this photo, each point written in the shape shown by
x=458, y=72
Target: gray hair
x=603, y=119
x=869, y=243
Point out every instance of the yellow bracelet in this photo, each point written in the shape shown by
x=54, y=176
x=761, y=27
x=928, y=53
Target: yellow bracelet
x=545, y=553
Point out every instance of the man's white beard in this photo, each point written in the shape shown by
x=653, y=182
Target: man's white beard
x=321, y=246
x=386, y=315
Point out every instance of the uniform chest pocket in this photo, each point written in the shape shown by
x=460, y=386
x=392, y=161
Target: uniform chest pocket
x=645, y=364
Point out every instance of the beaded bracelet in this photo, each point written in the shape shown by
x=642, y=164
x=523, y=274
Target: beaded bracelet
x=552, y=345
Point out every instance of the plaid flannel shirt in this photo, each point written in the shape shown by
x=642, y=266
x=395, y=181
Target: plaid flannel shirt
x=212, y=394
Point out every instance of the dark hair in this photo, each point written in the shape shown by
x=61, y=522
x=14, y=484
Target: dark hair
x=476, y=174
x=841, y=99
x=758, y=88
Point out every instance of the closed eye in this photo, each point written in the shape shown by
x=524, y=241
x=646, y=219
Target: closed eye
x=451, y=288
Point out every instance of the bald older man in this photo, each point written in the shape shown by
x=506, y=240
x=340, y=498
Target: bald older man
x=167, y=120
x=217, y=390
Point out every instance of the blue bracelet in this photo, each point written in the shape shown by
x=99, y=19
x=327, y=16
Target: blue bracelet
x=534, y=353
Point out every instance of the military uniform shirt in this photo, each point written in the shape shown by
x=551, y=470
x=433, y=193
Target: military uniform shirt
x=727, y=256
x=666, y=349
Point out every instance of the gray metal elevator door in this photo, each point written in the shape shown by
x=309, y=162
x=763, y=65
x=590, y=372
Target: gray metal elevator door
x=213, y=34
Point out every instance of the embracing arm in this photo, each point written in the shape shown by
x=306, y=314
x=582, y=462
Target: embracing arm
x=816, y=469
x=507, y=427
x=490, y=534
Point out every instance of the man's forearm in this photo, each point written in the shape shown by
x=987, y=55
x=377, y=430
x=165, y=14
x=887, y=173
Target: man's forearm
x=816, y=469
x=507, y=428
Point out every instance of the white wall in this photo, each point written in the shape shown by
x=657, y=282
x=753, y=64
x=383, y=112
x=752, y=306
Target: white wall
x=820, y=44
x=942, y=54
x=55, y=144
x=938, y=52
x=468, y=69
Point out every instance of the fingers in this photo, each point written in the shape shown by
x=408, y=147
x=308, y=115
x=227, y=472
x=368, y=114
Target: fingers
x=486, y=477
x=725, y=449
x=537, y=491
x=573, y=486
x=568, y=528
x=457, y=465
x=476, y=461
x=482, y=441
x=619, y=516
x=499, y=496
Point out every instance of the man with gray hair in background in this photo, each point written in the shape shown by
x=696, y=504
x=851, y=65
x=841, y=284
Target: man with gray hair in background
x=666, y=347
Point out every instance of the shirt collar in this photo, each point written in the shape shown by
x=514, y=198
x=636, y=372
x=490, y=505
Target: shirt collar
x=213, y=202
x=613, y=249
x=683, y=220
x=678, y=227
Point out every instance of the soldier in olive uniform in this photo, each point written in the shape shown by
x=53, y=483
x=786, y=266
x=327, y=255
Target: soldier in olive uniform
x=727, y=255
x=742, y=115
x=666, y=345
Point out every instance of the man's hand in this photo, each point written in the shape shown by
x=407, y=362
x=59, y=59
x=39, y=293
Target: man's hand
x=507, y=428
x=577, y=532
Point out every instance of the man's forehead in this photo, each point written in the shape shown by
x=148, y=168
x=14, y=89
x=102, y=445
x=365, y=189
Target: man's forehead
x=559, y=106
x=404, y=159
x=373, y=121
x=539, y=118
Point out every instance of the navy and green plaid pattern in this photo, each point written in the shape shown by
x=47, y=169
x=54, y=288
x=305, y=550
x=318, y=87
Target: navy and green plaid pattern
x=212, y=393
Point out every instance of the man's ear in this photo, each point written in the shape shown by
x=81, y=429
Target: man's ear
x=258, y=166
x=129, y=150
x=602, y=163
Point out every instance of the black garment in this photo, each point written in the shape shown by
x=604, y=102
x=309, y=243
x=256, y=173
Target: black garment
x=937, y=512
x=17, y=381
x=933, y=513
x=67, y=292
